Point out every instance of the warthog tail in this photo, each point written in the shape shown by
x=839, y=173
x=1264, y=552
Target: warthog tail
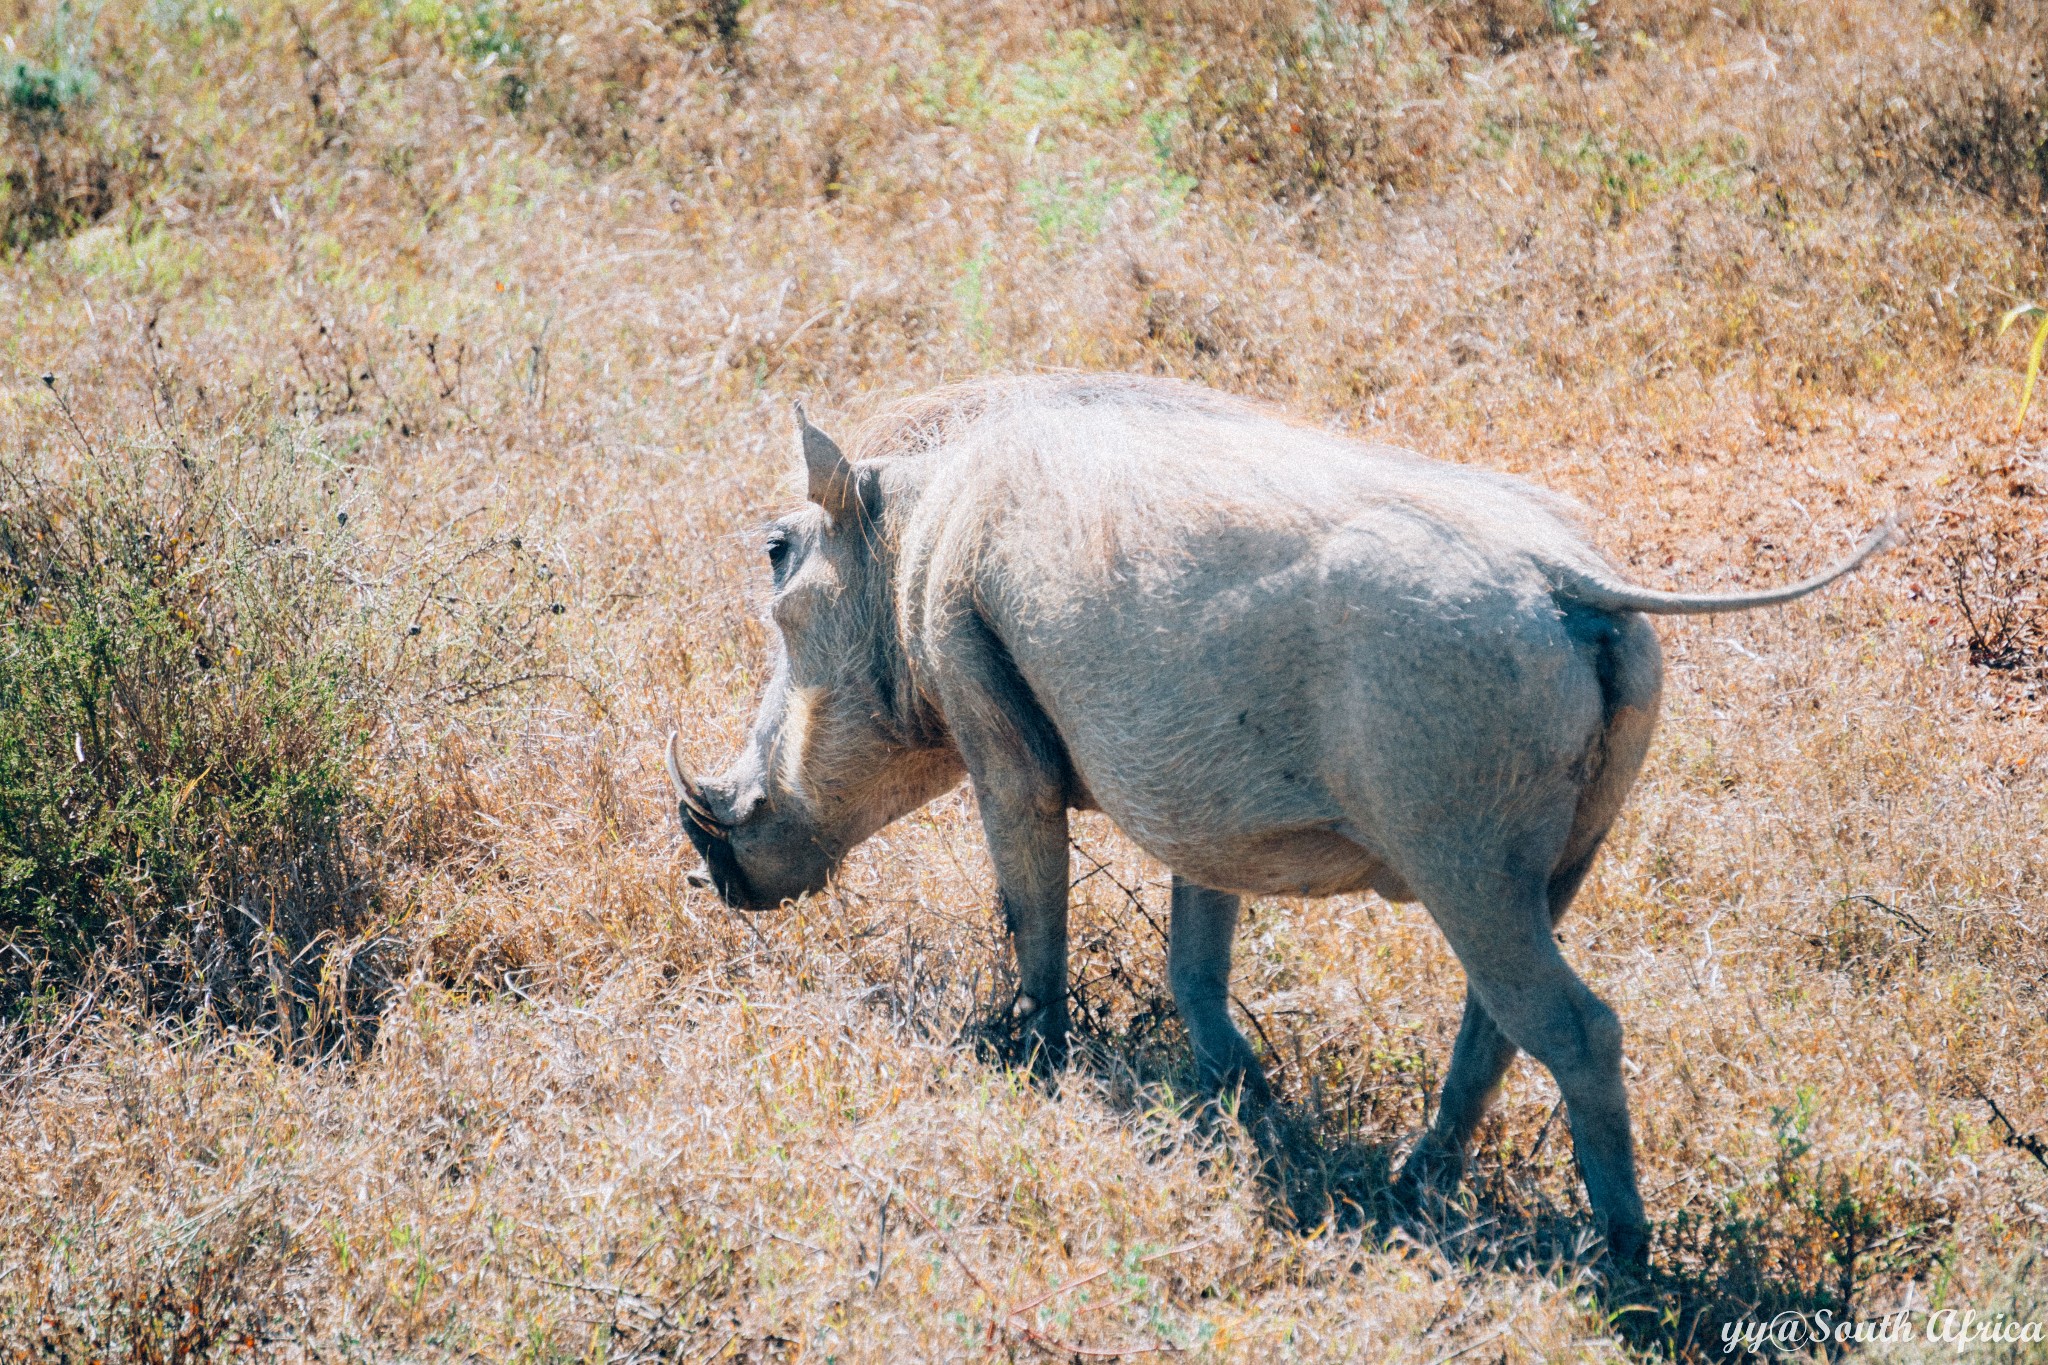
x=1614, y=595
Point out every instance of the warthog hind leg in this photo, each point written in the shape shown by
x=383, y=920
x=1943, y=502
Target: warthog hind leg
x=1198, y=967
x=1558, y=1021
x=1522, y=994
x=1479, y=1059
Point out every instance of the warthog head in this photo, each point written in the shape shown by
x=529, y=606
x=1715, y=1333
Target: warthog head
x=835, y=754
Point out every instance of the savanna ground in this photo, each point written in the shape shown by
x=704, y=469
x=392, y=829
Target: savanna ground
x=390, y=397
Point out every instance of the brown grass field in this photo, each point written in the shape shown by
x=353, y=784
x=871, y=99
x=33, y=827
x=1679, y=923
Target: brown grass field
x=480, y=323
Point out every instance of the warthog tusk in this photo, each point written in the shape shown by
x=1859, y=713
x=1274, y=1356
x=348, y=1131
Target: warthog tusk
x=1025, y=1005
x=686, y=790
x=675, y=767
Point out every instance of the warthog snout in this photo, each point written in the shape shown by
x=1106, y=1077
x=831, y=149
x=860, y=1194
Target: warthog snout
x=756, y=855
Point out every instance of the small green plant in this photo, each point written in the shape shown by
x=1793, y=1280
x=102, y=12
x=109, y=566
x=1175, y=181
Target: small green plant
x=1626, y=178
x=2031, y=313
x=1076, y=205
x=1568, y=16
x=1162, y=127
x=971, y=293
x=46, y=92
x=487, y=36
x=1079, y=80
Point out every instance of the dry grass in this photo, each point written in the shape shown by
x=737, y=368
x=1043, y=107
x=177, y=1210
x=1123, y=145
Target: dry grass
x=542, y=277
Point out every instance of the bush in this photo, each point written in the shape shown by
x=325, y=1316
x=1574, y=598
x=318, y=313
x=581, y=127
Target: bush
x=54, y=178
x=1971, y=113
x=1994, y=561
x=1484, y=27
x=183, y=720
x=1300, y=98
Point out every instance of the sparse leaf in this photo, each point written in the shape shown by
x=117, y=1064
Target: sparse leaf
x=2028, y=312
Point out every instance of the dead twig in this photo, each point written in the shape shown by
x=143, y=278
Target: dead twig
x=64, y=406
x=1901, y=916
x=1468, y=1349
x=2026, y=1142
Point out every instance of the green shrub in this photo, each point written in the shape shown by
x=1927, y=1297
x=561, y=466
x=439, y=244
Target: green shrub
x=32, y=90
x=1804, y=1234
x=184, y=715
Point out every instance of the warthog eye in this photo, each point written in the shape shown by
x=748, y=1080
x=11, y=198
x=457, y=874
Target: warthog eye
x=778, y=552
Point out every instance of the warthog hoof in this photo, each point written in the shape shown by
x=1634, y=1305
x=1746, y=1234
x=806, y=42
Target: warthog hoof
x=1430, y=1172
x=1037, y=1034
x=1628, y=1244
x=1247, y=1083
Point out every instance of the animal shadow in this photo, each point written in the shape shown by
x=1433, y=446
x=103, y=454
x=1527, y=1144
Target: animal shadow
x=1320, y=1173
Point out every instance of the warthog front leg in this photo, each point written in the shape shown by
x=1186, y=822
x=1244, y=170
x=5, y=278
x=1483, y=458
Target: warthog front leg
x=1198, y=966
x=1027, y=841
x=1021, y=776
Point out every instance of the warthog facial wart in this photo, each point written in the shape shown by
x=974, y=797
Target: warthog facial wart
x=1281, y=661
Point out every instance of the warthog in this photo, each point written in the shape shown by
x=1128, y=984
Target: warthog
x=1281, y=661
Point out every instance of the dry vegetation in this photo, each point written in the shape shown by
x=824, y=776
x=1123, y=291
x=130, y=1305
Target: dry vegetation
x=458, y=337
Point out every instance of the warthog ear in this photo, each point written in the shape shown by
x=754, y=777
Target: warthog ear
x=831, y=477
